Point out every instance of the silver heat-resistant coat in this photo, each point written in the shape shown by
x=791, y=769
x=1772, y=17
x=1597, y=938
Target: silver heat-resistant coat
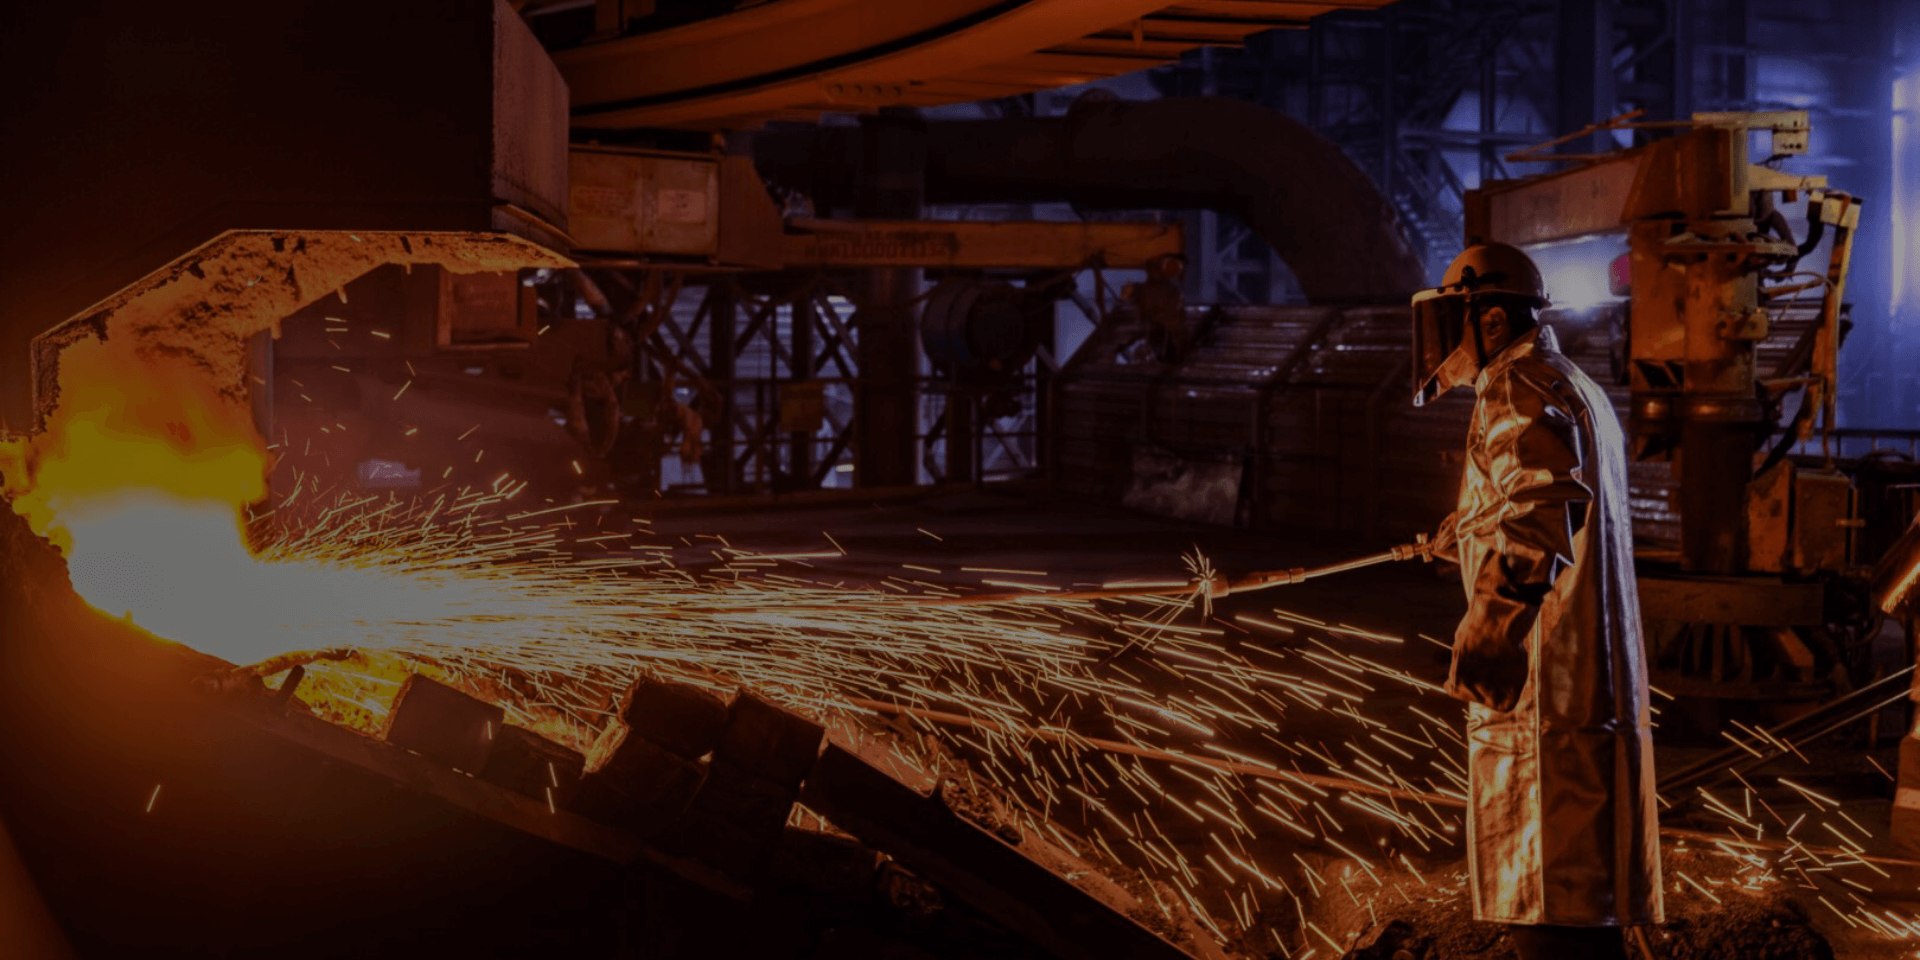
x=1561, y=822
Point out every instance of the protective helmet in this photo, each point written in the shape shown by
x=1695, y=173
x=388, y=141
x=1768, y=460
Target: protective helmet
x=1447, y=350
x=1495, y=268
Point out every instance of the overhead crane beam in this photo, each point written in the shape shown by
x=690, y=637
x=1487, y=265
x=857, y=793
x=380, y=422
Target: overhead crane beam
x=804, y=57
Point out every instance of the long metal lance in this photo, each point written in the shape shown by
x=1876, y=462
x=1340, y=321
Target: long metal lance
x=1217, y=586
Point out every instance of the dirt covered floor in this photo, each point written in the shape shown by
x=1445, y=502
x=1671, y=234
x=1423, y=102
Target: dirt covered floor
x=1428, y=918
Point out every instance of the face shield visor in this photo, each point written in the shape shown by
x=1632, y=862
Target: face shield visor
x=1439, y=326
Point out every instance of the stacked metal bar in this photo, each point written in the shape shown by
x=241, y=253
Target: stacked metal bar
x=708, y=785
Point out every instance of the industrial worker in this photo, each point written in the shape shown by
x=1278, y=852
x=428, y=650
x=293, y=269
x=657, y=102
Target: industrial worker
x=1563, y=841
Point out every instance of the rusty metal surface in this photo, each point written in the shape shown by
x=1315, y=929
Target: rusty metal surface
x=329, y=135
x=644, y=202
x=814, y=54
x=799, y=58
x=1574, y=203
x=201, y=306
x=1732, y=600
x=973, y=244
x=1822, y=520
x=430, y=737
x=1702, y=172
x=1768, y=500
x=734, y=820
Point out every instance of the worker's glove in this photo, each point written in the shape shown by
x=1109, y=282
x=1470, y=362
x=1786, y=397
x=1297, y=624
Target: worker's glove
x=1487, y=674
x=1445, y=542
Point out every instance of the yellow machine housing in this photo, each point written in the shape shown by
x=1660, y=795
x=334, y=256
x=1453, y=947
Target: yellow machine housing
x=1763, y=540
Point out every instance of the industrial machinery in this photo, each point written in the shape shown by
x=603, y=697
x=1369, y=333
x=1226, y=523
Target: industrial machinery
x=1731, y=363
x=457, y=234
x=387, y=230
x=1754, y=526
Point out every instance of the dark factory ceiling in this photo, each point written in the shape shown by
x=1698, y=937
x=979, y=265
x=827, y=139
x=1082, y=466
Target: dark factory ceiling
x=796, y=59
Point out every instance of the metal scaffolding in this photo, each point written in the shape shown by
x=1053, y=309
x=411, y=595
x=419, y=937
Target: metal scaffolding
x=749, y=383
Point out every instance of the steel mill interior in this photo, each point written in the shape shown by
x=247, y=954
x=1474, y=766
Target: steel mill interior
x=960, y=479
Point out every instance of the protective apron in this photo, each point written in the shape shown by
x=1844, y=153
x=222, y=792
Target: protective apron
x=1561, y=822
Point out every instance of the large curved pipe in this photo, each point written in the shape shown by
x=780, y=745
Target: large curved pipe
x=1293, y=187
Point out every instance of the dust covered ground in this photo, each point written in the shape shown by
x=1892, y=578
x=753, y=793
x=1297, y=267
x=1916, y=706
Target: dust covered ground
x=1428, y=918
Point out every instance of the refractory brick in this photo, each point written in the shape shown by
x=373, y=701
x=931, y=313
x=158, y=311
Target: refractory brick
x=528, y=763
x=444, y=724
x=636, y=784
x=683, y=718
x=776, y=744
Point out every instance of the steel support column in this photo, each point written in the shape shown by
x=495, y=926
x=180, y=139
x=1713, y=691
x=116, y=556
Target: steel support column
x=962, y=437
x=1586, y=79
x=801, y=370
x=1489, y=114
x=720, y=467
x=1739, y=69
x=886, y=408
x=1680, y=14
x=1389, y=118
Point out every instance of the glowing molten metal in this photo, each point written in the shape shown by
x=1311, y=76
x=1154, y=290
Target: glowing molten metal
x=141, y=479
